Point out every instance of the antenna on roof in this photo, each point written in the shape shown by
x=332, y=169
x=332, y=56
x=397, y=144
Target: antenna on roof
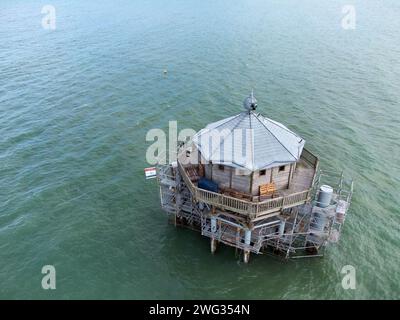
x=250, y=103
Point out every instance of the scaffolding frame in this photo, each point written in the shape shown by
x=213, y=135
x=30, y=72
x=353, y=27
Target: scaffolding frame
x=290, y=234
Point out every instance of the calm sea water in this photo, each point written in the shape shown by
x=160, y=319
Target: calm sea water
x=76, y=104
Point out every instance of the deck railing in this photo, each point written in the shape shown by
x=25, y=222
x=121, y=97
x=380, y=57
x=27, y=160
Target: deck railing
x=253, y=209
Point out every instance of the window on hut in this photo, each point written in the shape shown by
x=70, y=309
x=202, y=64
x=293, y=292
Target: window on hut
x=263, y=172
x=221, y=167
x=281, y=168
x=240, y=172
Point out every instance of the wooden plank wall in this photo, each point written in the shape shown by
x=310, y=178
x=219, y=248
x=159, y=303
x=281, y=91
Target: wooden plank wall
x=222, y=177
x=241, y=182
x=281, y=178
x=259, y=180
x=230, y=179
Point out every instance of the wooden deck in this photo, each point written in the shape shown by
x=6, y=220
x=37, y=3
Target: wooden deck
x=298, y=193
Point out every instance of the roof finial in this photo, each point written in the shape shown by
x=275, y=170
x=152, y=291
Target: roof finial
x=250, y=103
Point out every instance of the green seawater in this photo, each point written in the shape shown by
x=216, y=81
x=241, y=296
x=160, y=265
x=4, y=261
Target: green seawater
x=76, y=104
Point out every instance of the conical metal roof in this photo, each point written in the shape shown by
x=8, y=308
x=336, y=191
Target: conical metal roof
x=249, y=141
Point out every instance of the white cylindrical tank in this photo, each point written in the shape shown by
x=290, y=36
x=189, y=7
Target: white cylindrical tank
x=324, y=196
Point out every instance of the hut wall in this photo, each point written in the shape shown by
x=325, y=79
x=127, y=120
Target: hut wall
x=230, y=178
x=281, y=178
x=241, y=182
x=259, y=180
x=222, y=177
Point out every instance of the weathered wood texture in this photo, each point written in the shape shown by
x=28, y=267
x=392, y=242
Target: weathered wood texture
x=222, y=177
x=231, y=178
x=280, y=178
x=298, y=193
x=241, y=182
x=302, y=177
x=259, y=180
